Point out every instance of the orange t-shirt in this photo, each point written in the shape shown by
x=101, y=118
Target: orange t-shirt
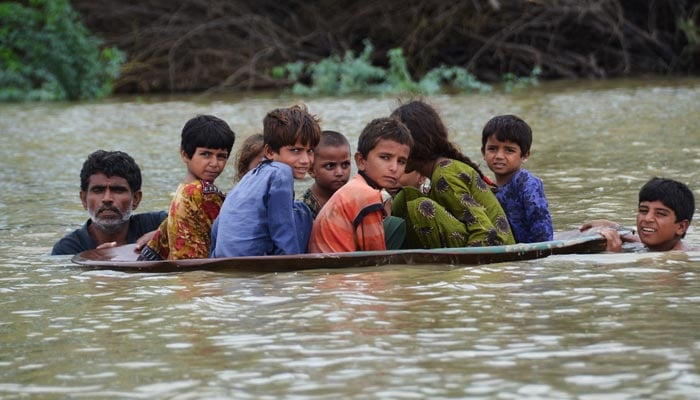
x=351, y=220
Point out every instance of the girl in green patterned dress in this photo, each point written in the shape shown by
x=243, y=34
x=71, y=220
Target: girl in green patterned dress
x=460, y=209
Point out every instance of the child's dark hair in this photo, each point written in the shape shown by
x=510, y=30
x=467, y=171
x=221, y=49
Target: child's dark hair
x=429, y=134
x=508, y=128
x=386, y=129
x=250, y=149
x=673, y=194
x=111, y=163
x=333, y=139
x=206, y=131
x=285, y=126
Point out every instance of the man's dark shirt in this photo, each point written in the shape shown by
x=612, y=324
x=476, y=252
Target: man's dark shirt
x=80, y=240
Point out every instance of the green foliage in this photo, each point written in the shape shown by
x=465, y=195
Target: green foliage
x=511, y=82
x=398, y=78
x=455, y=77
x=46, y=53
x=692, y=32
x=336, y=76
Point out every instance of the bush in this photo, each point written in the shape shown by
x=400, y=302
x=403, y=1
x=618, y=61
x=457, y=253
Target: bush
x=47, y=54
x=338, y=76
x=511, y=82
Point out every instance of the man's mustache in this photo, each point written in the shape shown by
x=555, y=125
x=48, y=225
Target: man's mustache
x=108, y=208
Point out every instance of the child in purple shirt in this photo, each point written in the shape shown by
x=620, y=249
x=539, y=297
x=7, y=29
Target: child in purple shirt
x=505, y=145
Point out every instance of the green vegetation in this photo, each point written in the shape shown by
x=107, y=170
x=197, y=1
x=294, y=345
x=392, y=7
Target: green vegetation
x=336, y=76
x=512, y=83
x=692, y=33
x=47, y=54
x=235, y=45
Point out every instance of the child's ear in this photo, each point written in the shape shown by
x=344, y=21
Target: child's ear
x=526, y=156
x=682, y=227
x=359, y=161
x=268, y=153
x=184, y=156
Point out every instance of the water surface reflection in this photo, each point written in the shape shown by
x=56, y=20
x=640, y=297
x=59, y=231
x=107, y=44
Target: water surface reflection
x=580, y=326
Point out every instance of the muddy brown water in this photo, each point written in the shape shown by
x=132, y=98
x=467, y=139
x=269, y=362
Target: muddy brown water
x=620, y=326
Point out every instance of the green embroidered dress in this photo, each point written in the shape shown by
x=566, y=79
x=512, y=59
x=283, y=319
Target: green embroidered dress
x=459, y=211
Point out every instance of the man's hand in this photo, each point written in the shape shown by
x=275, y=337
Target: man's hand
x=106, y=245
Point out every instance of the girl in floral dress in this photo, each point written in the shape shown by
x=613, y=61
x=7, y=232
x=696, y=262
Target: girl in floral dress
x=186, y=233
x=460, y=209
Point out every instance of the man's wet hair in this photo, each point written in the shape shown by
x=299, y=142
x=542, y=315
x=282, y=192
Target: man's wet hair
x=111, y=163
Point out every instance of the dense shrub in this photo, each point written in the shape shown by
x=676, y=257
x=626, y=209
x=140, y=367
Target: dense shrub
x=47, y=54
x=341, y=76
x=233, y=44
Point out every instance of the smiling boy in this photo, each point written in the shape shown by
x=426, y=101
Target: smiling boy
x=664, y=214
x=259, y=216
x=353, y=218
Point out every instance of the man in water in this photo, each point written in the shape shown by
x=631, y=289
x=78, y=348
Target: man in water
x=110, y=190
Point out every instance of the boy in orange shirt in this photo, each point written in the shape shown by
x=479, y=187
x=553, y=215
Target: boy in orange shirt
x=353, y=218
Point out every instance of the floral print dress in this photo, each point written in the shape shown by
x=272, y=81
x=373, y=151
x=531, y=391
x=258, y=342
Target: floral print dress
x=460, y=210
x=186, y=233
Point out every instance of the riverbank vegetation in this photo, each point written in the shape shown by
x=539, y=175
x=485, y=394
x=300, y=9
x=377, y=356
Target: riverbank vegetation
x=343, y=46
x=195, y=45
x=339, y=76
x=47, y=54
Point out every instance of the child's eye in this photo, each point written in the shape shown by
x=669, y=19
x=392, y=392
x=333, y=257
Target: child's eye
x=329, y=166
x=345, y=165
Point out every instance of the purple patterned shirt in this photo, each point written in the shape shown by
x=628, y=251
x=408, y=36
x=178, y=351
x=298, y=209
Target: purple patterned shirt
x=524, y=202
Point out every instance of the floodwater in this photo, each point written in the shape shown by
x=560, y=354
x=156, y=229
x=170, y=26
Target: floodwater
x=606, y=326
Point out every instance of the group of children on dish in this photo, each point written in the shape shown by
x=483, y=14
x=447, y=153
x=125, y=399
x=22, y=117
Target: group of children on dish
x=384, y=206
